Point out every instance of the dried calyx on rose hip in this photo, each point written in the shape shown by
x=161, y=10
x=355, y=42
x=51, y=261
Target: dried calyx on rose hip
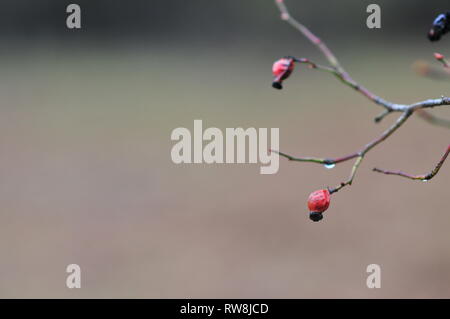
x=318, y=202
x=439, y=56
x=441, y=25
x=282, y=69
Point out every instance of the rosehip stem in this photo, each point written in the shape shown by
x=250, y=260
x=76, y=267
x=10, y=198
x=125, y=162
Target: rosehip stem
x=350, y=179
x=445, y=63
x=426, y=177
x=432, y=119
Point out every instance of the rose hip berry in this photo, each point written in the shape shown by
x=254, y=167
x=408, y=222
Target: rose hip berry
x=438, y=56
x=441, y=25
x=282, y=69
x=318, y=202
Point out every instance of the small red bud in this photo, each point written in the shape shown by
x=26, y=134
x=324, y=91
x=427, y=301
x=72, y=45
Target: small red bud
x=438, y=56
x=282, y=69
x=319, y=201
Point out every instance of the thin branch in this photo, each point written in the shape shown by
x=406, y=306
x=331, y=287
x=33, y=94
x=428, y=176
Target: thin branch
x=427, y=70
x=389, y=107
x=424, y=69
x=425, y=177
x=350, y=179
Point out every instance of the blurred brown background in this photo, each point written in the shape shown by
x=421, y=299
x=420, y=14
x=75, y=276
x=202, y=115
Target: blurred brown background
x=87, y=178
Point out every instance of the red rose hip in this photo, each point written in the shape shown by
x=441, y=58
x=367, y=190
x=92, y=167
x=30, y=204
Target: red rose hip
x=282, y=69
x=318, y=202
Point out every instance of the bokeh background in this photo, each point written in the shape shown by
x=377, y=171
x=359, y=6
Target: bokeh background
x=86, y=175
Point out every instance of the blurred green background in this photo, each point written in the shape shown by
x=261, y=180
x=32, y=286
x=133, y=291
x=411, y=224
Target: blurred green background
x=86, y=175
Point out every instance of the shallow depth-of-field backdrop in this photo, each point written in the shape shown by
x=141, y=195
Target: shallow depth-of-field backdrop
x=86, y=175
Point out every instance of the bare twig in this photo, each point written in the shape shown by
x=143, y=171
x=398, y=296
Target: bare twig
x=390, y=107
x=425, y=177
